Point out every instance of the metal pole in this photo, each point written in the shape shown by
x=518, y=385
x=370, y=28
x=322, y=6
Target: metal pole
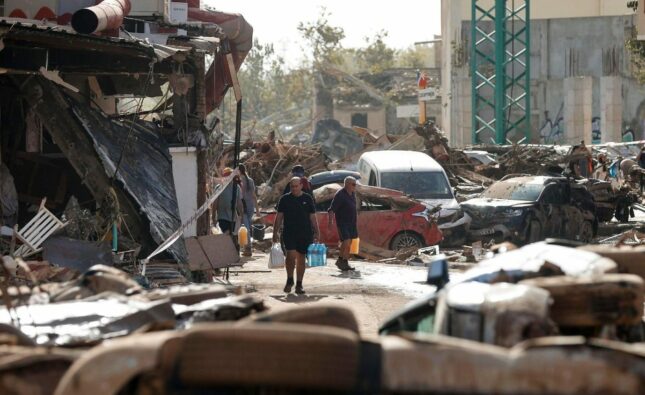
x=473, y=70
x=527, y=86
x=236, y=162
x=500, y=71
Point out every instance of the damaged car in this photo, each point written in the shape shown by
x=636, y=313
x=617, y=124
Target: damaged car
x=525, y=209
x=421, y=177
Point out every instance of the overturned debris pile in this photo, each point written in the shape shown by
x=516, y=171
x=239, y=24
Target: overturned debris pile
x=464, y=175
x=526, y=159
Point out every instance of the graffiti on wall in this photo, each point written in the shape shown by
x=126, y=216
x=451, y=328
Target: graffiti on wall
x=596, y=134
x=552, y=130
x=627, y=134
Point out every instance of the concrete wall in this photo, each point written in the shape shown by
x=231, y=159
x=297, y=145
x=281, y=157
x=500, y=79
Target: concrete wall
x=376, y=118
x=611, y=109
x=591, y=47
x=451, y=34
x=184, y=171
x=577, y=109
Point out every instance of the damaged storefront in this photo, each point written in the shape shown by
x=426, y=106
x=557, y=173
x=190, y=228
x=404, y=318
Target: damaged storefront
x=86, y=123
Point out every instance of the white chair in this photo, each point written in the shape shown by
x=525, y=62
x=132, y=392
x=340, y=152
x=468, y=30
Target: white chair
x=36, y=231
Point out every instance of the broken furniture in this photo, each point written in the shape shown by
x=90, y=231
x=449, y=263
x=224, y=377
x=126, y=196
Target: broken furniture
x=36, y=231
x=212, y=252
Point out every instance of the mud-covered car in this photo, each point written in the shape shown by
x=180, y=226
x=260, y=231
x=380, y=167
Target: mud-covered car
x=526, y=209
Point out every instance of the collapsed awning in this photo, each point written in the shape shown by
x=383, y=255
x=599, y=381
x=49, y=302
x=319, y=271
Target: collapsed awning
x=144, y=169
x=240, y=41
x=97, y=146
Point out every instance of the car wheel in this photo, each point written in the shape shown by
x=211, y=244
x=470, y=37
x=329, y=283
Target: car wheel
x=534, y=232
x=406, y=240
x=586, y=232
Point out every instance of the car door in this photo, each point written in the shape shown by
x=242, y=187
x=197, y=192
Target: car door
x=377, y=222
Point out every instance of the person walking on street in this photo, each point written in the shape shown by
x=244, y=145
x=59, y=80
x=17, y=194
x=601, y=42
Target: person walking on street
x=299, y=171
x=300, y=229
x=224, y=204
x=343, y=208
x=249, y=204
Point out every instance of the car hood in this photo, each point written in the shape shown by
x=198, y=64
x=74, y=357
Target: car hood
x=494, y=203
x=448, y=206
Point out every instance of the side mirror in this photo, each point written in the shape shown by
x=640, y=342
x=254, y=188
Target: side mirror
x=438, y=272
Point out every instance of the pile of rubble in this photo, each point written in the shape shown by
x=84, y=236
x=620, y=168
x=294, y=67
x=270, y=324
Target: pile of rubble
x=578, y=311
x=269, y=164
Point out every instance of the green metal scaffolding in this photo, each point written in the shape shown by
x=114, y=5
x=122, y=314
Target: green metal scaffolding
x=501, y=71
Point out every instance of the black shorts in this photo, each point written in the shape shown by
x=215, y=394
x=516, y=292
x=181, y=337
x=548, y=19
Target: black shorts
x=347, y=231
x=296, y=242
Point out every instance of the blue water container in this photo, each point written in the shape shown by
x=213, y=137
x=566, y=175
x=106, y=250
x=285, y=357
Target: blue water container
x=311, y=255
x=316, y=255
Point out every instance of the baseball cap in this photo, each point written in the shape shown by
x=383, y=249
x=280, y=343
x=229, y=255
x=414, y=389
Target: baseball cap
x=298, y=170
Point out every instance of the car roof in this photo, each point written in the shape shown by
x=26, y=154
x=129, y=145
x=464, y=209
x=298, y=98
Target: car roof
x=333, y=176
x=389, y=161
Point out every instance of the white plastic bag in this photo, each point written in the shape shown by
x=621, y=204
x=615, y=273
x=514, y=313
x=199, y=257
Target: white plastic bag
x=276, y=257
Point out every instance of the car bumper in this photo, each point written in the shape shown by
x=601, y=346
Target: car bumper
x=498, y=231
x=463, y=221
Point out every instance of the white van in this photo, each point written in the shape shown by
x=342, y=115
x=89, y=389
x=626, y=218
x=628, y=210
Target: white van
x=418, y=175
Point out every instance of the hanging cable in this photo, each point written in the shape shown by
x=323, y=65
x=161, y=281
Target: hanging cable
x=132, y=122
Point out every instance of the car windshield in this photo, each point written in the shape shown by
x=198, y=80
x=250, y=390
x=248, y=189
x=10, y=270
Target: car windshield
x=513, y=191
x=418, y=184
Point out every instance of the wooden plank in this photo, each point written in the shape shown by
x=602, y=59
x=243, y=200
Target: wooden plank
x=197, y=259
x=220, y=250
x=629, y=259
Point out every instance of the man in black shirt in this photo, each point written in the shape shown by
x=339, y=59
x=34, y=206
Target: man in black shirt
x=300, y=230
x=343, y=207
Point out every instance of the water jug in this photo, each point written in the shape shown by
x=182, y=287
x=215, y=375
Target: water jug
x=354, y=247
x=311, y=255
x=322, y=256
x=316, y=255
x=242, y=236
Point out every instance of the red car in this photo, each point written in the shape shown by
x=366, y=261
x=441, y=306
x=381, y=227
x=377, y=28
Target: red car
x=386, y=218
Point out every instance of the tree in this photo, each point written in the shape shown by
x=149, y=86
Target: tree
x=415, y=57
x=376, y=56
x=324, y=40
x=636, y=49
x=272, y=94
x=325, y=43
